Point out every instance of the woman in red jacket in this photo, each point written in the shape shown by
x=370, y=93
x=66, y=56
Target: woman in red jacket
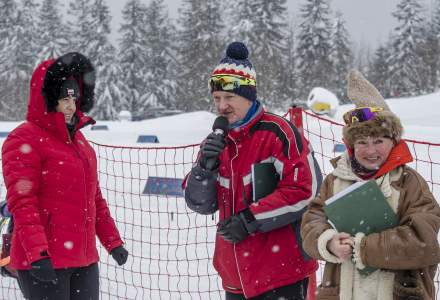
x=53, y=193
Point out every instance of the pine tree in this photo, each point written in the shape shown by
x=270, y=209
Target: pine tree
x=108, y=92
x=429, y=49
x=380, y=72
x=289, y=80
x=52, y=37
x=264, y=31
x=80, y=26
x=27, y=45
x=22, y=58
x=407, y=65
x=341, y=57
x=239, y=16
x=132, y=57
x=108, y=95
x=8, y=67
x=161, y=66
x=313, y=49
x=363, y=57
x=199, y=50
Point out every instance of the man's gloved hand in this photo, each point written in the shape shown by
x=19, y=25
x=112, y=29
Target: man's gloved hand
x=120, y=255
x=211, y=149
x=43, y=270
x=238, y=227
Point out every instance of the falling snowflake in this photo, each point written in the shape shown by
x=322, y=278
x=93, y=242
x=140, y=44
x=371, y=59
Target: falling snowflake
x=275, y=248
x=68, y=245
x=25, y=148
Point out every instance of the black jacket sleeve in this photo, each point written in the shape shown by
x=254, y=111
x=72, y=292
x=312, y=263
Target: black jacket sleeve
x=201, y=190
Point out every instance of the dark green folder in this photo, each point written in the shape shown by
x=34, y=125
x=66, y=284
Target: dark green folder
x=264, y=180
x=361, y=207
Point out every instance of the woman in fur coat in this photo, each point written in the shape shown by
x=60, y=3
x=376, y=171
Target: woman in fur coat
x=53, y=193
x=407, y=255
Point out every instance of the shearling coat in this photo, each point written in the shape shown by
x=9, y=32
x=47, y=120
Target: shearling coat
x=51, y=178
x=406, y=255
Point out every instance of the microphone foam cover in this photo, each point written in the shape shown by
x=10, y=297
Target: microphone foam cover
x=221, y=123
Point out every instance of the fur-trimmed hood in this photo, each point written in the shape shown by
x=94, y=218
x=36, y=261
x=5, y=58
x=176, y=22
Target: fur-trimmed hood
x=45, y=87
x=73, y=65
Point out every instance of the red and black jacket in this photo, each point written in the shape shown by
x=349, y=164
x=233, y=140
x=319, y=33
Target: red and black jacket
x=272, y=256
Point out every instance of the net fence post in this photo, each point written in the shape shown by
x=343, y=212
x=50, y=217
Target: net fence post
x=296, y=117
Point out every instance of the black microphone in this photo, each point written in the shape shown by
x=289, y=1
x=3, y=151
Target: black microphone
x=220, y=127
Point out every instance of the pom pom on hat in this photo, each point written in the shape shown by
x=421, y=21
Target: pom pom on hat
x=236, y=63
x=363, y=94
x=237, y=50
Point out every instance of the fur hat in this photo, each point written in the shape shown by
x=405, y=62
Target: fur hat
x=236, y=63
x=363, y=94
x=60, y=73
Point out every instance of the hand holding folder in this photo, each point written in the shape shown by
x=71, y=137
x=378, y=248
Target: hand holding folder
x=361, y=207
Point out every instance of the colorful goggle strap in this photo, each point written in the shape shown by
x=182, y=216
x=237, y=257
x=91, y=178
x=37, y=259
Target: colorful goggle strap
x=229, y=82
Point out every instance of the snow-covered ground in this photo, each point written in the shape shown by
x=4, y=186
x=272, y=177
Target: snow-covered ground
x=170, y=246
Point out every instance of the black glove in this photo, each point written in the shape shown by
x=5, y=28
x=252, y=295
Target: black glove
x=211, y=149
x=120, y=255
x=238, y=227
x=43, y=270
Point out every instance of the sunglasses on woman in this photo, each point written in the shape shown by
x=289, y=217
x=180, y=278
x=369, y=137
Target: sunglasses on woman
x=361, y=114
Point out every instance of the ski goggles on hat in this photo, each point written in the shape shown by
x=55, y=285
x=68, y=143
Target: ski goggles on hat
x=361, y=114
x=229, y=82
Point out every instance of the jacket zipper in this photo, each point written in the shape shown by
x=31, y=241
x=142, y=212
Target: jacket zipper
x=224, y=206
x=233, y=208
x=85, y=197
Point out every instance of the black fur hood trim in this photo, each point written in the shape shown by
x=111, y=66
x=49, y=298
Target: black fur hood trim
x=75, y=65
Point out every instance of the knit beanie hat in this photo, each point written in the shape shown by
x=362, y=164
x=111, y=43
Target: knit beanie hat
x=236, y=65
x=69, y=88
x=383, y=122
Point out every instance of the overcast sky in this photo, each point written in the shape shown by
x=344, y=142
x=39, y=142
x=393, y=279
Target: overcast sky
x=368, y=21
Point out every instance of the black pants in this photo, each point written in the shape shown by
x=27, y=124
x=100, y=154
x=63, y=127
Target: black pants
x=72, y=284
x=296, y=291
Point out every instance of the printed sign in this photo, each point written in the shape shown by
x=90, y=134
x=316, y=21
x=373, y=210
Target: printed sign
x=163, y=186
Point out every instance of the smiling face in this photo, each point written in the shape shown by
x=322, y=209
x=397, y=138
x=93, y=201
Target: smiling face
x=372, y=152
x=231, y=106
x=67, y=106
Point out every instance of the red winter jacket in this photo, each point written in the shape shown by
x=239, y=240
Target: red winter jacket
x=52, y=188
x=272, y=256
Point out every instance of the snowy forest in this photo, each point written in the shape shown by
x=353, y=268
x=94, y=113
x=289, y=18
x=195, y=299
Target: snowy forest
x=159, y=62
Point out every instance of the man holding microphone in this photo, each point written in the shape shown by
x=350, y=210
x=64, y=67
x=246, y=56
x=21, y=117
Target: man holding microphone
x=258, y=251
